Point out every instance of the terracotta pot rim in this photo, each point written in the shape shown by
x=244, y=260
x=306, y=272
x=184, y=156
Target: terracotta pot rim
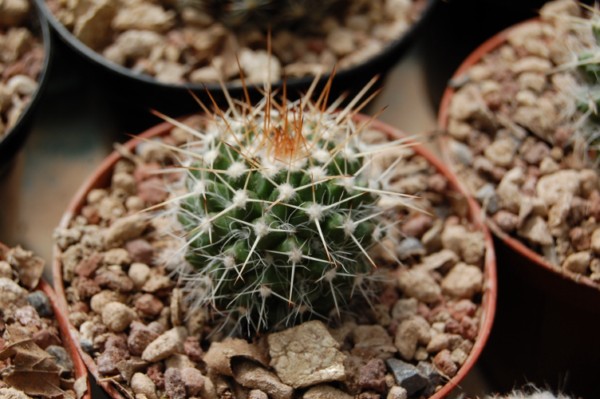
x=65, y=330
x=488, y=305
x=515, y=244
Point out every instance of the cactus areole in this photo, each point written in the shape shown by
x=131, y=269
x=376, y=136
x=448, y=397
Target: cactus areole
x=279, y=209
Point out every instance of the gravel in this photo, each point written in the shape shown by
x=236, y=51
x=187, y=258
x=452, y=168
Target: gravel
x=143, y=338
x=533, y=182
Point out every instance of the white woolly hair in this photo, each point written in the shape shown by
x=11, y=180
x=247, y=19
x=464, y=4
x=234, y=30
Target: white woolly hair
x=533, y=393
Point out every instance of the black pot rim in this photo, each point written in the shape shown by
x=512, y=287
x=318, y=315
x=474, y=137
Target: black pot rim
x=16, y=135
x=388, y=52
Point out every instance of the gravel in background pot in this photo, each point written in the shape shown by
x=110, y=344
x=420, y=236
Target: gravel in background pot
x=508, y=114
x=37, y=356
x=135, y=92
x=24, y=60
x=513, y=137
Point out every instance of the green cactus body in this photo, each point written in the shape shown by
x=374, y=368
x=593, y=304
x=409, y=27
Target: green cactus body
x=585, y=69
x=279, y=210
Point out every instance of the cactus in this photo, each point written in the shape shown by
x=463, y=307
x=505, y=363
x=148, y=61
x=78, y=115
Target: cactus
x=279, y=206
x=264, y=14
x=586, y=70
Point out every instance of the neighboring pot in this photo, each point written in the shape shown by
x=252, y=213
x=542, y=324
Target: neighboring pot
x=547, y=315
x=13, y=140
x=102, y=177
x=79, y=369
x=139, y=92
x=582, y=286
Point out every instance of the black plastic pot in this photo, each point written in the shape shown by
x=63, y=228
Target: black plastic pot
x=134, y=94
x=14, y=139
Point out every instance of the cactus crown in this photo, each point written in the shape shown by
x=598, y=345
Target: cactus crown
x=279, y=207
x=295, y=14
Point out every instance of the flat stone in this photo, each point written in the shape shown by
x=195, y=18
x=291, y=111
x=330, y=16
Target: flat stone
x=253, y=376
x=221, y=354
x=407, y=376
x=306, y=355
x=165, y=345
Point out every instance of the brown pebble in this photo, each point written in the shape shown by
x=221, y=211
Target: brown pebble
x=192, y=349
x=174, y=386
x=115, y=281
x=417, y=225
x=140, y=251
x=88, y=265
x=156, y=375
x=580, y=239
x=437, y=183
x=372, y=376
x=469, y=327
x=149, y=305
x=536, y=153
x=139, y=338
x=443, y=362
x=462, y=308
x=152, y=191
x=108, y=360
x=507, y=221
x=86, y=288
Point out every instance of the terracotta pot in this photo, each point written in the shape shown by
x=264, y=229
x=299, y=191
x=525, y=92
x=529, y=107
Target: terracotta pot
x=549, y=316
x=101, y=178
x=14, y=139
x=134, y=92
x=64, y=328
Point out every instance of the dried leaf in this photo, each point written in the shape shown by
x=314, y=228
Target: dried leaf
x=35, y=383
x=32, y=370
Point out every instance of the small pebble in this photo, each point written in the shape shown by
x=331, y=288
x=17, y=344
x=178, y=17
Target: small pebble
x=117, y=316
x=39, y=300
x=61, y=357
